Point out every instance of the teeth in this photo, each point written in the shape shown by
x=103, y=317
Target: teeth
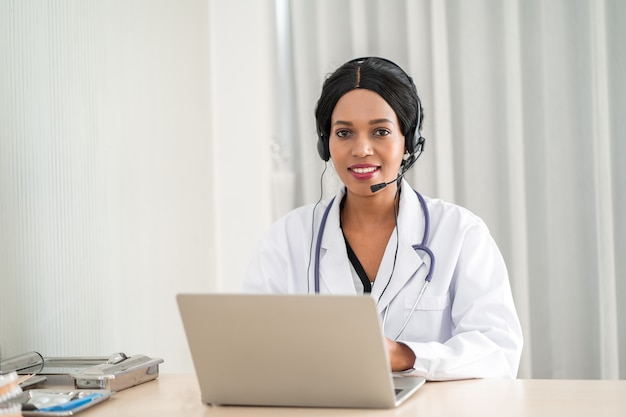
x=364, y=170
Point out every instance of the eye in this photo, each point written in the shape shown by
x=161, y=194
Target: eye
x=382, y=132
x=342, y=133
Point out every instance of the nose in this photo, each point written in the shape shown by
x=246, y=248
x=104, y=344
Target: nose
x=362, y=146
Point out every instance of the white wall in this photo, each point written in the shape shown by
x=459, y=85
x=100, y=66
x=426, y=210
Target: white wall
x=126, y=131
x=243, y=96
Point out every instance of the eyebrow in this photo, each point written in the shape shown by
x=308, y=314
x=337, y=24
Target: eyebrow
x=371, y=122
x=377, y=121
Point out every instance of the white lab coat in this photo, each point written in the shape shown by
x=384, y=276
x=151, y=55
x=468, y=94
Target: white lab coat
x=465, y=325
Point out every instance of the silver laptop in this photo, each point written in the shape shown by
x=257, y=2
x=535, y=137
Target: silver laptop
x=291, y=350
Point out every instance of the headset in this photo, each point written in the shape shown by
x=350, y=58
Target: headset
x=414, y=143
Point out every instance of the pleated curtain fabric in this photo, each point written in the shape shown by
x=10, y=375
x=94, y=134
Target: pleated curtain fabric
x=522, y=104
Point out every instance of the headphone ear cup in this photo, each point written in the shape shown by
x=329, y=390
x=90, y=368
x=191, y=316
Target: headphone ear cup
x=420, y=143
x=323, y=148
x=413, y=142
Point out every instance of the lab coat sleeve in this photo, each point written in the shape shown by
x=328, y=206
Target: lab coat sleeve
x=255, y=280
x=269, y=257
x=278, y=265
x=486, y=337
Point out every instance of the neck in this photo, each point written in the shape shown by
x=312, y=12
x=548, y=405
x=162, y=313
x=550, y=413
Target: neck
x=371, y=210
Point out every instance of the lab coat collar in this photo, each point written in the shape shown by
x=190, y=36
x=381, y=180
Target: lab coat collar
x=335, y=272
x=407, y=261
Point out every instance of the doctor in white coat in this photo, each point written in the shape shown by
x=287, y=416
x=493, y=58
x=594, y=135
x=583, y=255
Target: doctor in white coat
x=440, y=282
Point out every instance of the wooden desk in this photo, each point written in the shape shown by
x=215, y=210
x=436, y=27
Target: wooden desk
x=179, y=395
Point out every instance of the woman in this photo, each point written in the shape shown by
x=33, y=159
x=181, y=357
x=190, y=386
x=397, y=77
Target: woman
x=379, y=236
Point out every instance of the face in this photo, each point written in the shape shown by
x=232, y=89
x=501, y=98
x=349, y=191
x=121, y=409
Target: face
x=366, y=143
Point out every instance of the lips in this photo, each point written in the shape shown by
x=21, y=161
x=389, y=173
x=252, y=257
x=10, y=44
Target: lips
x=363, y=171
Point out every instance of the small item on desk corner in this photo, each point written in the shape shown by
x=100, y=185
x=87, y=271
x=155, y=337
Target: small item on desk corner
x=24, y=378
x=118, y=373
x=9, y=386
x=59, y=403
x=117, y=358
x=31, y=381
x=9, y=389
x=73, y=404
x=114, y=372
x=10, y=410
x=25, y=363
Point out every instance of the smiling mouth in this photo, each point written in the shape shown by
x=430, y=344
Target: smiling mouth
x=366, y=170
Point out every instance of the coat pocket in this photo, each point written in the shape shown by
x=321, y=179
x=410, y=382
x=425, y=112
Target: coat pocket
x=430, y=321
x=428, y=302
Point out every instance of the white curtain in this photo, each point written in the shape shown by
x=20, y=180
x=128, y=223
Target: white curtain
x=524, y=104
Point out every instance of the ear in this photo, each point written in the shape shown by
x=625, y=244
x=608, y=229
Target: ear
x=405, y=157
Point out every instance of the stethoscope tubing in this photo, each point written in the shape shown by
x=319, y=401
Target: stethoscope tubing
x=420, y=247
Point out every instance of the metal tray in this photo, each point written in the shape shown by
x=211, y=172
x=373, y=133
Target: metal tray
x=133, y=371
x=114, y=373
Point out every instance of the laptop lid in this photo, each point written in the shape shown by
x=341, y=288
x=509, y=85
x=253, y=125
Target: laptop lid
x=289, y=350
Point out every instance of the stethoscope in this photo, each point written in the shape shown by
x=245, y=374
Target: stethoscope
x=419, y=247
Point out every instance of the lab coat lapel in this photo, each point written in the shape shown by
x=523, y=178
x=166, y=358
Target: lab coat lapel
x=407, y=261
x=335, y=273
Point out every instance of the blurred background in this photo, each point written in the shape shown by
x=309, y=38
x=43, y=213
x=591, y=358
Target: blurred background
x=146, y=145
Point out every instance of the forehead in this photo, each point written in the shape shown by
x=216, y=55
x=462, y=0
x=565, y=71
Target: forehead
x=362, y=105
